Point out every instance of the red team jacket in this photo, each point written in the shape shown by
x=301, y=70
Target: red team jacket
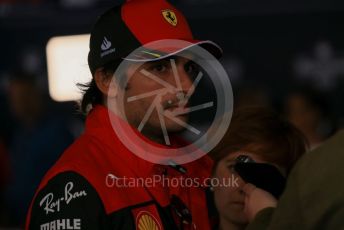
x=79, y=191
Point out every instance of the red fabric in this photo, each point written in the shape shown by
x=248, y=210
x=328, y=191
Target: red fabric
x=132, y=13
x=99, y=152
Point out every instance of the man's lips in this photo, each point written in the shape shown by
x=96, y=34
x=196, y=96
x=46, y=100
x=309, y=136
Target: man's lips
x=178, y=110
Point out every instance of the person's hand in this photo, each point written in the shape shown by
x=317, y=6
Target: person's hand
x=256, y=199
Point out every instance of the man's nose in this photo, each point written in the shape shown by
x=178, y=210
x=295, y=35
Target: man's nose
x=186, y=82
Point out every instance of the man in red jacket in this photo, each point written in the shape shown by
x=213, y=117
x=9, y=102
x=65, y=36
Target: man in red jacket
x=106, y=180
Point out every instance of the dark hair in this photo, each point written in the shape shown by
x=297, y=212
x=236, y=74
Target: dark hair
x=91, y=94
x=264, y=132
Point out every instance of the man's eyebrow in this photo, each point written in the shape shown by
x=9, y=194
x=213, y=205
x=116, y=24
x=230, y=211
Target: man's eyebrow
x=158, y=61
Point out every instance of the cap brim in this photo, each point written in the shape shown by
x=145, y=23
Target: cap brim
x=150, y=52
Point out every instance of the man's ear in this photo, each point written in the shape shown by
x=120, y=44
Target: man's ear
x=105, y=83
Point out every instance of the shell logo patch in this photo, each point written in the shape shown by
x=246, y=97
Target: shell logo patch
x=170, y=17
x=146, y=221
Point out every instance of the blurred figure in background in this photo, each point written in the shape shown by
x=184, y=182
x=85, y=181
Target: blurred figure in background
x=307, y=110
x=37, y=140
x=313, y=198
x=251, y=96
x=262, y=135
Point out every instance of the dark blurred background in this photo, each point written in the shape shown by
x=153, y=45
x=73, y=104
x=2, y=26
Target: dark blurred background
x=288, y=54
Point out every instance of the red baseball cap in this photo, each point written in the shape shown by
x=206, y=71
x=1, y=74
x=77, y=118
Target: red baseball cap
x=138, y=23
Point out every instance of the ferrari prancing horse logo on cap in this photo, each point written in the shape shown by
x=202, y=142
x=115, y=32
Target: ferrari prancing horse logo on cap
x=170, y=17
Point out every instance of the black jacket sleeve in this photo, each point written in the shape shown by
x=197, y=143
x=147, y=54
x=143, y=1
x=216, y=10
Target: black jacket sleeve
x=68, y=201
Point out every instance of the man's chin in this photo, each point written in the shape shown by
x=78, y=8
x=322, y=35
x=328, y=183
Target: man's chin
x=155, y=128
x=173, y=126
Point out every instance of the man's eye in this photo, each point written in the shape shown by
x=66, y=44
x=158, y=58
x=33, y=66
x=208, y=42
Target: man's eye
x=159, y=68
x=191, y=68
